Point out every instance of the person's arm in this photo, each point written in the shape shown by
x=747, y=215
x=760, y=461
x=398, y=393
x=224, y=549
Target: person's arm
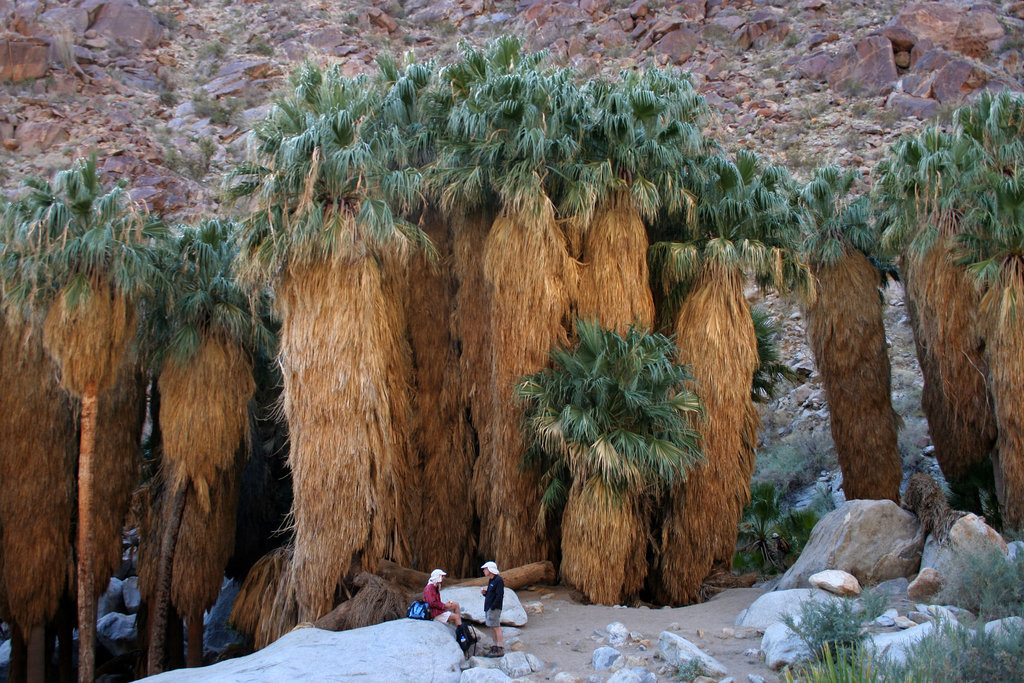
x=489, y=596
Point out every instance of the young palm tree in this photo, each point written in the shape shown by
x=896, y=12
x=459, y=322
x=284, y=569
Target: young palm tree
x=770, y=371
x=921, y=192
x=638, y=139
x=323, y=231
x=847, y=334
x=744, y=223
x=510, y=124
x=83, y=258
x=205, y=331
x=609, y=428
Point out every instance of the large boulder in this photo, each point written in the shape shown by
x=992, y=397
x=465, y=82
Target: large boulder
x=969, y=537
x=866, y=68
x=471, y=602
x=782, y=647
x=895, y=645
x=400, y=650
x=945, y=76
x=217, y=635
x=129, y=24
x=117, y=633
x=678, y=651
x=23, y=58
x=970, y=30
x=875, y=540
x=771, y=607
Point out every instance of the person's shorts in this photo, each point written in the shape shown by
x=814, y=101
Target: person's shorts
x=443, y=617
x=492, y=618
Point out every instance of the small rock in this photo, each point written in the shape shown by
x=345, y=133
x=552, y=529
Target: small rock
x=754, y=678
x=483, y=675
x=836, y=582
x=904, y=622
x=677, y=651
x=567, y=677
x=536, y=664
x=782, y=647
x=885, y=621
x=919, y=617
x=927, y=584
x=533, y=607
x=516, y=665
x=618, y=634
x=604, y=657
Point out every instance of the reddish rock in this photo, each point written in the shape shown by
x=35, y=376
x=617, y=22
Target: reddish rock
x=927, y=584
x=593, y=7
x=979, y=30
x=23, y=58
x=934, y=21
x=763, y=27
x=128, y=24
x=816, y=66
x=74, y=18
x=381, y=20
x=692, y=10
x=678, y=45
x=970, y=31
x=908, y=105
x=867, y=68
x=36, y=136
x=639, y=9
x=944, y=76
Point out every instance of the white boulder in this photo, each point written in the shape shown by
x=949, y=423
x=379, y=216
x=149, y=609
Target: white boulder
x=895, y=645
x=677, y=651
x=782, y=647
x=516, y=665
x=484, y=676
x=471, y=602
x=836, y=582
x=771, y=607
x=399, y=650
x=1007, y=626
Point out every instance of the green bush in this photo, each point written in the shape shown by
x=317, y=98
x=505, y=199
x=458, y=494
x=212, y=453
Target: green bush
x=989, y=585
x=837, y=669
x=690, y=670
x=835, y=625
x=956, y=654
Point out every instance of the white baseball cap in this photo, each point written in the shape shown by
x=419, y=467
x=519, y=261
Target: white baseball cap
x=491, y=567
x=437, y=575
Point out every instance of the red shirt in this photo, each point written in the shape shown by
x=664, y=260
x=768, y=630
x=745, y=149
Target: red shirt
x=432, y=596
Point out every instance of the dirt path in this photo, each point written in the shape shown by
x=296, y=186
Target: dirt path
x=566, y=633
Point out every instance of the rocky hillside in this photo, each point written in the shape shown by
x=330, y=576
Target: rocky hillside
x=165, y=90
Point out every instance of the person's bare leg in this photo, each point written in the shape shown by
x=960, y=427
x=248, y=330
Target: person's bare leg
x=499, y=638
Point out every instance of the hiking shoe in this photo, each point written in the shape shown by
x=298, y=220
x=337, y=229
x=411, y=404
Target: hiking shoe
x=495, y=651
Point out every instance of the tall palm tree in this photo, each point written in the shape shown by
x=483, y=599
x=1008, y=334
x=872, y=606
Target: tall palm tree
x=640, y=135
x=323, y=231
x=205, y=329
x=847, y=333
x=511, y=122
x=922, y=196
x=84, y=256
x=744, y=224
x=608, y=425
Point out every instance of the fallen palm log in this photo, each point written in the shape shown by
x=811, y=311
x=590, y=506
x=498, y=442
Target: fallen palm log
x=515, y=578
x=376, y=601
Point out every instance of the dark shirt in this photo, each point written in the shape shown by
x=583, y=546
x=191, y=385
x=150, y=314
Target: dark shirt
x=432, y=596
x=494, y=598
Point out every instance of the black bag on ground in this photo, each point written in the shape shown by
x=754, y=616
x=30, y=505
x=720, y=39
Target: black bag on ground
x=418, y=610
x=467, y=637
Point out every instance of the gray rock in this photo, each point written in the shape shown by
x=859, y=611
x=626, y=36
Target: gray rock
x=754, y=678
x=970, y=536
x=604, y=657
x=771, y=607
x=536, y=663
x=399, y=650
x=782, y=647
x=516, y=665
x=895, y=645
x=478, y=675
x=471, y=601
x=1005, y=626
x=1015, y=551
x=111, y=600
x=626, y=676
x=894, y=588
x=618, y=634
x=677, y=651
x=567, y=677
x=875, y=540
x=217, y=635
x=117, y=633
x=130, y=594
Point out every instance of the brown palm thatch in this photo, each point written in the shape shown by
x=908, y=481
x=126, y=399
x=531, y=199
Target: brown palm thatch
x=345, y=409
x=205, y=541
x=38, y=444
x=204, y=414
x=957, y=404
x=847, y=335
x=614, y=279
x=925, y=498
x=121, y=411
x=597, y=526
x=442, y=525
x=264, y=607
x=714, y=332
x=376, y=601
x=534, y=280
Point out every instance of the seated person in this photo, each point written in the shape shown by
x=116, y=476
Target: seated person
x=440, y=611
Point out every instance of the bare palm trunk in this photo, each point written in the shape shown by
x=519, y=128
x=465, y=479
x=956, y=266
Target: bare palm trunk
x=195, y=642
x=158, y=622
x=36, y=654
x=847, y=335
x=86, y=511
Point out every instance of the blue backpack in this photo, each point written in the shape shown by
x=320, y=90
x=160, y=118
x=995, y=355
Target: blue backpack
x=418, y=610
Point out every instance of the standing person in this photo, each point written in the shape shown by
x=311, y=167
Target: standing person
x=440, y=611
x=494, y=598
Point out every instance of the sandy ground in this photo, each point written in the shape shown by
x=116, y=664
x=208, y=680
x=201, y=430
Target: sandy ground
x=566, y=633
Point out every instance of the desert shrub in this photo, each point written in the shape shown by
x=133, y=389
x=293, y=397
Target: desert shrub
x=956, y=654
x=989, y=585
x=835, y=625
x=795, y=462
x=691, y=669
x=837, y=669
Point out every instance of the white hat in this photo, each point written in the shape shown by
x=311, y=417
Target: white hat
x=491, y=567
x=437, y=575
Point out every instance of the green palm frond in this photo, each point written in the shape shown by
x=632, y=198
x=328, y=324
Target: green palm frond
x=833, y=218
x=770, y=371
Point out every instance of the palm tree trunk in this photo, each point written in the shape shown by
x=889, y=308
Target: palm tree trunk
x=86, y=511
x=36, y=654
x=847, y=335
x=714, y=332
x=158, y=622
x=195, y=642
x=65, y=640
x=16, y=670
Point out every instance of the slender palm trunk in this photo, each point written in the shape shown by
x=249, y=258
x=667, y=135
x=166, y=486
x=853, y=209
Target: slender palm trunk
x=195, y=642
x=714, y=332
x=86, y=512
x=36, y=654
x=847, y=335
x=158, y=621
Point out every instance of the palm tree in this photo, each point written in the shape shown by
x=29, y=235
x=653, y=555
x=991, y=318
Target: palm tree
x=511, y=124
x=639, y=137
x=921, y=193
x=84, y=256
x=770, y=370
x=205, y=328
x=608, y=426
x=744, y=223
x=847, y=334
x=323, y=230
